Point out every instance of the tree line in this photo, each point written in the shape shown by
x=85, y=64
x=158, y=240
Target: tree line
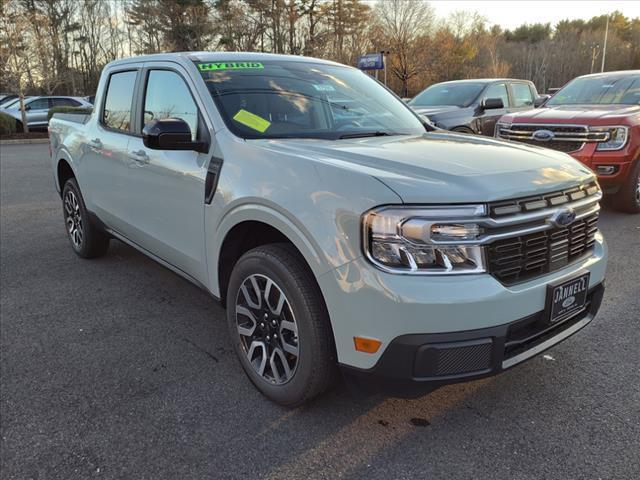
x=60, y=46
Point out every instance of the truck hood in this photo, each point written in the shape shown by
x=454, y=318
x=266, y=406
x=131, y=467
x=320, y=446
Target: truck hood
x=582, y=114
x=444, y=167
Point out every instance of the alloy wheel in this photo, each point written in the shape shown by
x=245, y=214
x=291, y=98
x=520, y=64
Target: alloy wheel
x=267, y=329
x=73, y=219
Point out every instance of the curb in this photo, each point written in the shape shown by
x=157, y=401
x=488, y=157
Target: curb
x=24, y=141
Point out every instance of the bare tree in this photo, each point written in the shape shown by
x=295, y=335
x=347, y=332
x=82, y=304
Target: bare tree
x=402, y=25
x=15, y=49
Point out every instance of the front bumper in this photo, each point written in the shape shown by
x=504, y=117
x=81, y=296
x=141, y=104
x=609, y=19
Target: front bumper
x=363, y=301
x=620, y=160
x=417, y=364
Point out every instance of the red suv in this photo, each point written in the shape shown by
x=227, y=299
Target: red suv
x=596, y=119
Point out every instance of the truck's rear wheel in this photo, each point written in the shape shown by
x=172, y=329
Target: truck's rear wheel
x=86, y=240
x=628, y=198
x=279, y=325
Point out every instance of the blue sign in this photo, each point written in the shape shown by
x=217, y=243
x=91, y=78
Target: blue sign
x=371, y=61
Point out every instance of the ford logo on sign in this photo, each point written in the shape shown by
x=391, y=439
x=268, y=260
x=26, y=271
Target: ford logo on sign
x=563, y=218
x=543, y=135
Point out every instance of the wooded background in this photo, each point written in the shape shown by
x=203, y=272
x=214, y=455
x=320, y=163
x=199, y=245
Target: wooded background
x=60, y=46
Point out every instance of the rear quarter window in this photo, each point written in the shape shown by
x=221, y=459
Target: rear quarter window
x=116, y=113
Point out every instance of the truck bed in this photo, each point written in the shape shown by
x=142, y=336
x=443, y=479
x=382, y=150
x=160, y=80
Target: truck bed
x=80, y=118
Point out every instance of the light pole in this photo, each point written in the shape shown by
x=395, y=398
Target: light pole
x=604, y=50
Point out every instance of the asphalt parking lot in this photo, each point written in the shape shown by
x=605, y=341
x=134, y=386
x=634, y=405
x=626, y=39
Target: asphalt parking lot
x=118, y=368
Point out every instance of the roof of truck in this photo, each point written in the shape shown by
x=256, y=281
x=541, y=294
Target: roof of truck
x=486, y=80
x=616, y=73
x=220, y=57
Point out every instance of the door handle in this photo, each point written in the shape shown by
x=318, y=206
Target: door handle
x=95, y=143
x=139, y=156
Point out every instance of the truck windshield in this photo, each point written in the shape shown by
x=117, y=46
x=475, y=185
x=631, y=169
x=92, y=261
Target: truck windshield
x=600, y=90
x=285, y=99
x=459, y=94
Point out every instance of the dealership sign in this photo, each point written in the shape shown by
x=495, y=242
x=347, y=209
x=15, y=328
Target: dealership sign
x=371, y=61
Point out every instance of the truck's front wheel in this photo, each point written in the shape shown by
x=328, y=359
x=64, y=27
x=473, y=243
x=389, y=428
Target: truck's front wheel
x=86, y=240
x=628, y=198
x=279, y=325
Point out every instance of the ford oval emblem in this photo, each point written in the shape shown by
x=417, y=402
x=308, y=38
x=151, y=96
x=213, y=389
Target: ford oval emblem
x=564, y=217
x=569, y=301
x=543, y=135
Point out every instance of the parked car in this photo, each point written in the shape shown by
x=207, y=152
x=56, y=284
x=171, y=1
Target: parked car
x=10, y=101
x=596, y=119
x=474, y=106
x=6, y=98
x=337, y=234
x=37, y=109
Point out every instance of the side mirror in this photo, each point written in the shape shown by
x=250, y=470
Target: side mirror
x=429, y=126
x=26, y=107
x=540, y=100
x=492, y=103
x=170, y=134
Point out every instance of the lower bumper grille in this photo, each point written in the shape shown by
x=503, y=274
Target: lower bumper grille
x=525, y=257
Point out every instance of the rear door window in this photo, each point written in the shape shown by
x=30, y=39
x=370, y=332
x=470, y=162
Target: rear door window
x=522, y=96
x=117, y=106
x=65, y=102
x=39, y=104
x=498, y=90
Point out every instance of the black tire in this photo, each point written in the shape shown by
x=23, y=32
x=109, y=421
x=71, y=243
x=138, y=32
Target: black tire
x=628, y=197
x=86, y=240
x=315, y=366
x=19, y=127
x=463, y=130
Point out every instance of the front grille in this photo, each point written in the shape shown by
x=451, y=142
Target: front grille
x=522, y=258
x=559, y=145
x=538, y=202
x=566, y=138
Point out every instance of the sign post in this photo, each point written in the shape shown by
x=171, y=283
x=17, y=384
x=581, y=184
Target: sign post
x=384, y=65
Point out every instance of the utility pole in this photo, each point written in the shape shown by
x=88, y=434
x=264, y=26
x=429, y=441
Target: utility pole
x=595, y=49
x=604, y=50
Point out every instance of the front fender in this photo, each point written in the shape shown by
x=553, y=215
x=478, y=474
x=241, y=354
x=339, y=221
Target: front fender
x=287, y=225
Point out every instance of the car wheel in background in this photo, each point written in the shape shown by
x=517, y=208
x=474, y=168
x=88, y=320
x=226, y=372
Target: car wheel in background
x=279, y=325
x=463, y=130
x=628, y=197
x=86, y=240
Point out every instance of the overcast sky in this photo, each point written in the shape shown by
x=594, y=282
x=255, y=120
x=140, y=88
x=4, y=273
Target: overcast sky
x=510, y=14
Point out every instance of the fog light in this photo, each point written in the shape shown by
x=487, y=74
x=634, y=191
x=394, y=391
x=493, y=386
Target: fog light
x=606, y=169
x=366, y=345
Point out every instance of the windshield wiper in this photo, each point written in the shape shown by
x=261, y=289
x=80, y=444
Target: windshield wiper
x=367, y=134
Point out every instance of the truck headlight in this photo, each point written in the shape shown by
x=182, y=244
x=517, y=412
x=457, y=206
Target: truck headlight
x=617, y=138
x=425, y=241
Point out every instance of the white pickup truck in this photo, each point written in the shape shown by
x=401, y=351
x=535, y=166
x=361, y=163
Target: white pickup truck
x=341, y=232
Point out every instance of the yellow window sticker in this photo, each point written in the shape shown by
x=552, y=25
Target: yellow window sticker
x=251, y=120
